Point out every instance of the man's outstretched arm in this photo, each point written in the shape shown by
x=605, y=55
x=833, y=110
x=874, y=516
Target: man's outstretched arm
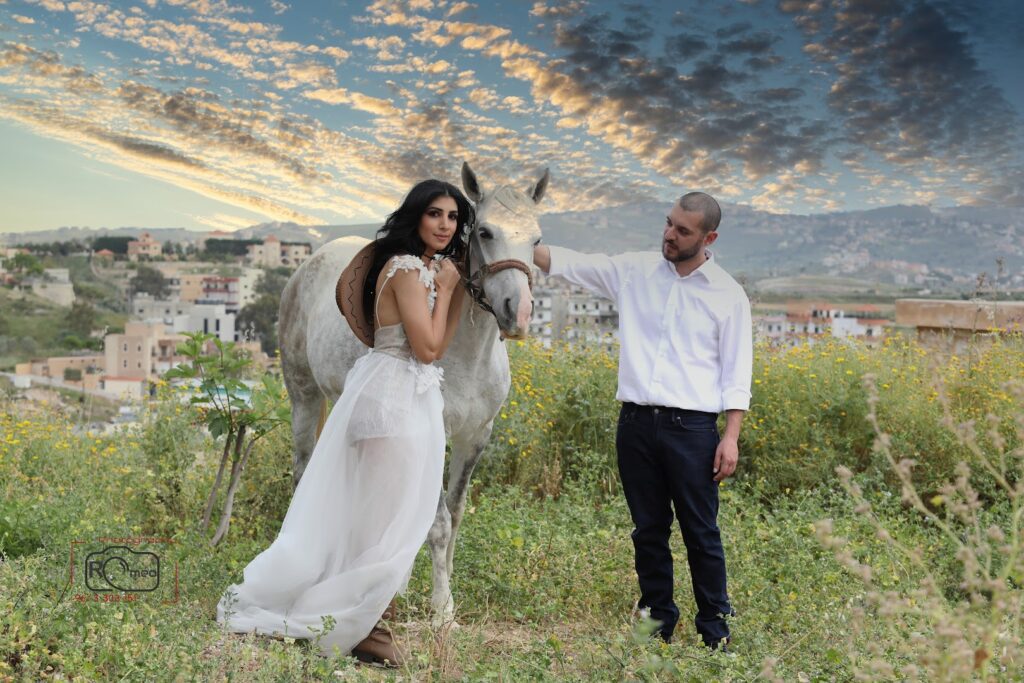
x=600, y=273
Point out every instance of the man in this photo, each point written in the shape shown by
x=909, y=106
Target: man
x=685, y=356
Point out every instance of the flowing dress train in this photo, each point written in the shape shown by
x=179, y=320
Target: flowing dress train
x=363, y=506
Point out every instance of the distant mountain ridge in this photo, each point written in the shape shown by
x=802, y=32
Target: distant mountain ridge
x=960, y=241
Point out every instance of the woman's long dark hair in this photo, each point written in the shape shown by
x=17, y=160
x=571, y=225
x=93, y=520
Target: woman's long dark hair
x=400, y=233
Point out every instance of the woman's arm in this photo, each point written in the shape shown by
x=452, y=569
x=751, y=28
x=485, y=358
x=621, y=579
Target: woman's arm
x=425, y=331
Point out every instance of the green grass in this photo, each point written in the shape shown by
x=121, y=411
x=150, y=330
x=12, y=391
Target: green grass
x=544, y=587
x=543, y=581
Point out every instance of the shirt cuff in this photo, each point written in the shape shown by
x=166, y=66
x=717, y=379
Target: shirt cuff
x=735, y=399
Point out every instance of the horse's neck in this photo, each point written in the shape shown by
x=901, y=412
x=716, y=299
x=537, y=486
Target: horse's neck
x=477, y=335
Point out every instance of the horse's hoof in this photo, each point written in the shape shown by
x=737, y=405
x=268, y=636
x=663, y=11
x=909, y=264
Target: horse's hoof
x=445, y=624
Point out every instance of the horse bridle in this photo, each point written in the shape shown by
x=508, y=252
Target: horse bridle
x=474, y=280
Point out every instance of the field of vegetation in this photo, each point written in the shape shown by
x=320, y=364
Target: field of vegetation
x=873, y=532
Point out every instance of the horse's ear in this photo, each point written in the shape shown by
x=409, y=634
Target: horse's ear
x=537, y=191
x=470, y=184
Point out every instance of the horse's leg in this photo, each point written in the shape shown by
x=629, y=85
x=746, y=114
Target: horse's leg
x=307, y=400
x=438, y=539
x=465, y=456
x=305, y=420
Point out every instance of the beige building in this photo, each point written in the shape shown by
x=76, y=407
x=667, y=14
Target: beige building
x=190, y=286
x=273, y=253
x=54, y=366
x=952, y=324
x=144, y=246
x=145, y=350
x=294, y=253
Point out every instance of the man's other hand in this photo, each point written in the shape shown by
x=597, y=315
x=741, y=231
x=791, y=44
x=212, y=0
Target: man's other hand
x=726, y=456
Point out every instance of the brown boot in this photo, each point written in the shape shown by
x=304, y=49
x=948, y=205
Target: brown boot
x=379, y=648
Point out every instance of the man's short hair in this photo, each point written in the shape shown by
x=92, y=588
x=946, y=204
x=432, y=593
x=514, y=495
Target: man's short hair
x=704, y=204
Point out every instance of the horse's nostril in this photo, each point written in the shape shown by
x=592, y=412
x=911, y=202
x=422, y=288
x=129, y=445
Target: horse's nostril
x=508, y=308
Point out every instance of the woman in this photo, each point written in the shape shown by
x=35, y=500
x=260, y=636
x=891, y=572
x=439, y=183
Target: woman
x=368, y=496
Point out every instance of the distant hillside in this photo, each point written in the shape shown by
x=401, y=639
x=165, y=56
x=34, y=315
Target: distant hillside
x=956, y=244
x=963, y=241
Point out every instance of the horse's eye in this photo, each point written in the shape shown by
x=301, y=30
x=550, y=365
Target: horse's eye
x=536, y=242
x=486, y=234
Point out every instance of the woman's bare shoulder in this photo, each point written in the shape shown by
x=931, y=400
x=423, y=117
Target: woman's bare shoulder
x=408, y=266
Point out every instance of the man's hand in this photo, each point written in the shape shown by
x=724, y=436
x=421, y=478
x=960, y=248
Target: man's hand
x=542, y=258
x=726, y=456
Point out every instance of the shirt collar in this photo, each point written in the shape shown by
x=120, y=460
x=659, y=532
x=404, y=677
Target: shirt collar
x=709, y=269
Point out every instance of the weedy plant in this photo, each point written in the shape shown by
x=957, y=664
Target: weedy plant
x=967, y=630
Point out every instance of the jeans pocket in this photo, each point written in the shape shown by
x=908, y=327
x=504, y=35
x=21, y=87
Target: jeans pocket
x=695, y=423
x=627, y=415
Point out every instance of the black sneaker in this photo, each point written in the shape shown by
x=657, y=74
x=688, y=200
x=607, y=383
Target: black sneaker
x=719, y=645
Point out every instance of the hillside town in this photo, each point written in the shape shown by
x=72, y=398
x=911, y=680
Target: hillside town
x=168, y=290
x=190, y=294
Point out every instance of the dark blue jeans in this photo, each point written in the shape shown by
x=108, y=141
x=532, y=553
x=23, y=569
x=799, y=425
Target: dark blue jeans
x=666, y=457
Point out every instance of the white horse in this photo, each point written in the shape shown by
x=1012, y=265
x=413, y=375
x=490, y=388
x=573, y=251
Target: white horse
x=318, y=348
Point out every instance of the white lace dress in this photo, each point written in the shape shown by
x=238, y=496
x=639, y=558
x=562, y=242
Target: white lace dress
x=364, y=504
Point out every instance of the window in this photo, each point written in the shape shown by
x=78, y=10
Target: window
x=124, y=363
x=140, y=348
x=126, y=346
x=216, y=325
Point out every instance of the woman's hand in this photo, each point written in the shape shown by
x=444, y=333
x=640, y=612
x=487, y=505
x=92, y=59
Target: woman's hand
x=447, y=275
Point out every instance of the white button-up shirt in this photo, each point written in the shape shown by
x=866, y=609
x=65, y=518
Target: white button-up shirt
x=684, y=342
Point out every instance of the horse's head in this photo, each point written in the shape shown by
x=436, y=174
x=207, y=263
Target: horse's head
x=501, y=250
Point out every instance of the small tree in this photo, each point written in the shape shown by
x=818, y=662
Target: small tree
x=260, y=315
x=230, y=410
x=82, y=319
x=26, y=264
x=150, y=281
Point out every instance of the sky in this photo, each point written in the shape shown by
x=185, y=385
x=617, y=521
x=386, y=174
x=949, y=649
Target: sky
x=216, y=115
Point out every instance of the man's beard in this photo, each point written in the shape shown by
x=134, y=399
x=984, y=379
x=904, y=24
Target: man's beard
x=681, y=256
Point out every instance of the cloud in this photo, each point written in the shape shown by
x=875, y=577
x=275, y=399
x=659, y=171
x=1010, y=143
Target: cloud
x=359, y=101
x=23, y=19
x=305, y=73
x=388, y=48
x=557, y=9
x=339, y=54
x=51, y=5
x=685, y=46
x=694, y=126
x=47, y=66
x=458, y=8
x=907, y=89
